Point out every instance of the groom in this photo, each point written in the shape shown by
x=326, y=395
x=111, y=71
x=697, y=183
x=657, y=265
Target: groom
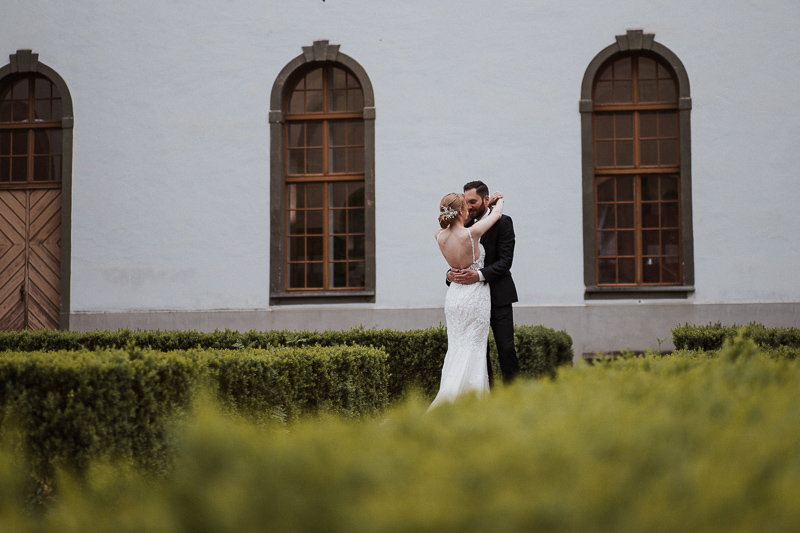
x=498, y=241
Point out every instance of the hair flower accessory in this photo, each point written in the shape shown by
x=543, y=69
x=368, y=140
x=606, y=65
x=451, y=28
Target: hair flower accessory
x=447, y=211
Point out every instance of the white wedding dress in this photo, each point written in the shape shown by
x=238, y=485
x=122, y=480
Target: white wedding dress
x=466, y=310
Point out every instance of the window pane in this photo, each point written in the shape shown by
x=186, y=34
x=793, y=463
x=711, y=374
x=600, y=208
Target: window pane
x=294, y=196
x=314, y=249
x=670, y=270
x=355, y=220
x=606, y=243
x=355, y=100
x=339, y=274
x=19, y=143
x=669, y=239
x=649, y=188
x=669, y=187
x=604, y=93
x=296, y=103
x=314, y=133
x=624, y=153
x=647, y=68
x=297, y=275
x=19, y=169
x=355, y=159
x=668, y=124
x=669, y=151
x=338, y=78
x=5, y=111
x=337, y=133
x=297, y=222
x=314, y=79
x=622, y=68
x=20, y=90
x=625, y=189
x=669, y=215
x=605, y=189
x=650, y=244
x=338, y=100
x=314, y=222
x=355, y=132
x=650, y=215
x=356, y=274
x=338, y=194
x=338, y=160
x=650, y=270
x=56, y=168
x=604, y=126
x=338, y=248
x=297, y=161
x=339, y=220
x=315, y=277
x=41, y=141
x=5, y=143
x=605, y=216
x=648, y=153
x=666, y=91
x=625, y=215
x=626, y=243
x=314, y=195
x=356, y=246
x=623, y=92
x=604, y=153
x=313, y=101
x=648, y=124
x=627, y=270
x=648, y=91
x=297, y=134
x=607, y=271
x=355, y=196
x=624, y=126
x=297, y=248
x=314, y=161
x=41, y=168
x=42, y=110
x=5, y=169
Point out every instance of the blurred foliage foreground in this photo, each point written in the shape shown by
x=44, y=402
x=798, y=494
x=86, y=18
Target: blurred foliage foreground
x=695, y=441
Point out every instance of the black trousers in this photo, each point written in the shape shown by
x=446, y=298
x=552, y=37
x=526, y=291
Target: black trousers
x=502, y=323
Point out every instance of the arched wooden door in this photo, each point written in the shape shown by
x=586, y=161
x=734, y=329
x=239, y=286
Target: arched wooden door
x=31, y=181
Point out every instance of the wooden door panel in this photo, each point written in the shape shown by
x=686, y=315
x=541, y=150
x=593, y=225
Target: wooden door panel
x=30, y=258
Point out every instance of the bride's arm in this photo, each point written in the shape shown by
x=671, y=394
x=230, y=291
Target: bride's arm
x=481, y=226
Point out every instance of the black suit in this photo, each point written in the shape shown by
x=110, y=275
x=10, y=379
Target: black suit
x=499, y=241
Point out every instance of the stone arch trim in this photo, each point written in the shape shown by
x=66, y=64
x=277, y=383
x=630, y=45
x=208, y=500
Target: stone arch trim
x=636, y=40
x=25, y=61
x=319, y=52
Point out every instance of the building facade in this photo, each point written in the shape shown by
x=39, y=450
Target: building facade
x=279, y=165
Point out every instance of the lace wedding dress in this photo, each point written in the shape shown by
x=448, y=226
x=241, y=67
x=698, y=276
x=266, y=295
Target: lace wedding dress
x=466, y=309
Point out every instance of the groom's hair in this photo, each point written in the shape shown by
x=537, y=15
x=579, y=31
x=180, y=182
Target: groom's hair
x=479, y=186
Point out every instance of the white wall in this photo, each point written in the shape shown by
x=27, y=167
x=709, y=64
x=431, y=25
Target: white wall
x=171, y=153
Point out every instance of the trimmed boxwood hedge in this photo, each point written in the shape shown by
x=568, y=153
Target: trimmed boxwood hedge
x=71, y=407
x=712, y=336
x=415, y=357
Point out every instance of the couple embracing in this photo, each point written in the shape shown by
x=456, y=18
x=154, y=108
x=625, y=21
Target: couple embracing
x=477, y=240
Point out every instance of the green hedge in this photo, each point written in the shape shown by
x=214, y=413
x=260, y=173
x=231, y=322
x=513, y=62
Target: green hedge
x=712, y=336
x=415, y=357
x=73, y=407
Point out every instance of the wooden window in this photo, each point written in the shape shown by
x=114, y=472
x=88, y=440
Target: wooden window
x=30, y=131
x=637, y=168
x=324, y=188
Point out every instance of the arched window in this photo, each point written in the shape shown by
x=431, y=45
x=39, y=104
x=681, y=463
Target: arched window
x=322, y=180
x=35, y=183
x=637, y=186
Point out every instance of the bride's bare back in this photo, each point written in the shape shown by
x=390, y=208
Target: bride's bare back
x=455, y=244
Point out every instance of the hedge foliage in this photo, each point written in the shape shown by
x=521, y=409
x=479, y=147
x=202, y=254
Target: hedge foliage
x=712, y=336
x=415, y=357
x=75, y=407
x=654, y=443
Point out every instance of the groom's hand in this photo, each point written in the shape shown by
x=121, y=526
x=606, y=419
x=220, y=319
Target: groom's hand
x=466, y=276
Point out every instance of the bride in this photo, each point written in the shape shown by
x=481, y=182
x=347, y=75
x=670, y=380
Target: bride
x=466, y=307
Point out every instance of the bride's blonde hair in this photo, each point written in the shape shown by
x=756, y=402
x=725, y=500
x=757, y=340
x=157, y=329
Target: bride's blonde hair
x=449, y=208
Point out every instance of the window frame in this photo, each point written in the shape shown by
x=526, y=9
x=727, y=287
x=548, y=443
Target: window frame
x=319, y=54
x=633, y=42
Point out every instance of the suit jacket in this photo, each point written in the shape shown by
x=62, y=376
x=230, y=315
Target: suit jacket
x=499, y=243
